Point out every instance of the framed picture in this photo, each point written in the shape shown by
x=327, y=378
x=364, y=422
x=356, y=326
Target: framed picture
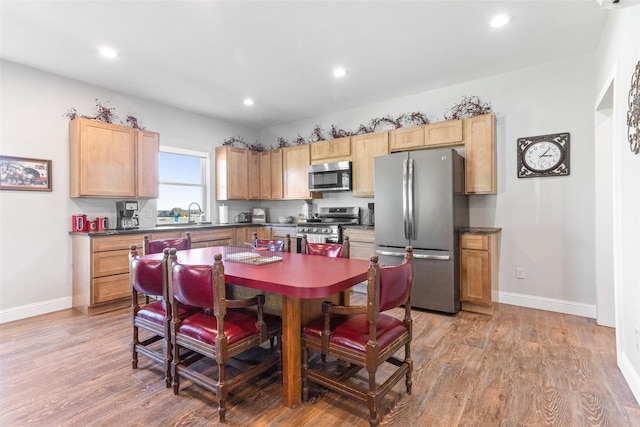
x=19, y=173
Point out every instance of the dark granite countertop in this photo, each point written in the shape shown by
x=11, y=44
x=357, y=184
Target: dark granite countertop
x=189, y=227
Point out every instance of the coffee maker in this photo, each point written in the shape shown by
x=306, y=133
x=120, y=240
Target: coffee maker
x=127, y=218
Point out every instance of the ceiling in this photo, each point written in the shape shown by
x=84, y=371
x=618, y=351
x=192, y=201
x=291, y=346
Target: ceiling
x=208, y=56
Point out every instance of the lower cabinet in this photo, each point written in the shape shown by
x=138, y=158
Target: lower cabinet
x=479, y=269
x=362, y=242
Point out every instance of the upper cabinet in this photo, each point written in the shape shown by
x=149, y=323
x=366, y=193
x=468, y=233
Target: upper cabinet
x=443, y=133
x=333, y=150
x=253, y=161
x=107, y=160
x=366, y=147
x=480, y=151
x=232, y=176
x=410, y=138
x=295, y=161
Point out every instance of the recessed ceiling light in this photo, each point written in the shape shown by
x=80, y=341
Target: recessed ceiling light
x=339, y=72
x=107, y=52
x=500, y=21
x=248, y=101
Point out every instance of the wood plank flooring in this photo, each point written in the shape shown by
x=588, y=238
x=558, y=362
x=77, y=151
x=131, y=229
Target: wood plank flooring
x=520, y=367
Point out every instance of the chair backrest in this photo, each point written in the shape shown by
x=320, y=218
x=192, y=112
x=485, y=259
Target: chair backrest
x=332, y=250
x=157, y=246
x=389, y=287
x=147, y=276
x=272, y=244
x=191, y=285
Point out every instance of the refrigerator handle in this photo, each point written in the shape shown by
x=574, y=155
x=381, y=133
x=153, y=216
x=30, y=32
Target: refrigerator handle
x=405, y=211
x=412, y=230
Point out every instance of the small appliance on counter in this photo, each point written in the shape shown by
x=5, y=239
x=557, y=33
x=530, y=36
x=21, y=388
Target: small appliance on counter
x=258, y=215
x=79, y=223
x=370, y=219
x=127, y=217
x=242, y=217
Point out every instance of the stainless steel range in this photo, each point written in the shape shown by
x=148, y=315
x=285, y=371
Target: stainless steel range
x=326, y=227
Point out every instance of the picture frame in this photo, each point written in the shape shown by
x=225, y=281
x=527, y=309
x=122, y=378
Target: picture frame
x=25, y=174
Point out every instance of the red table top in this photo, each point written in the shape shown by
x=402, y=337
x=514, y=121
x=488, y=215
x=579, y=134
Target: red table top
x=297, y=275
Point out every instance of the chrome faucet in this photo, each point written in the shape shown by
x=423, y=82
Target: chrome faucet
x=199, y=211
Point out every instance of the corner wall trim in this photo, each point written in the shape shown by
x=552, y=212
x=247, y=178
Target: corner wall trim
x=549, y=304
x=30, y=310
x=630, y=375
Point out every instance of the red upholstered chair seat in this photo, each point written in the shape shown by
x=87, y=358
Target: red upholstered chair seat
x=353, y=331
x=155, y=312
x=237, y=326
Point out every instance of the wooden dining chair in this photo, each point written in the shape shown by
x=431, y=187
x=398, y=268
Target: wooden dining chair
x=221, y=331
x=333, y=250
x=274, y=245
x=148, y=278
x=156, y=246
x=365, y=337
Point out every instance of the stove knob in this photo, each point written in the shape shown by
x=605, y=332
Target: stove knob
x=327, y=230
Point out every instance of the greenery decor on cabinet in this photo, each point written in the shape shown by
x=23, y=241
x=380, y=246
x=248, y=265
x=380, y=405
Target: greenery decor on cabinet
x=106, y=115
x=633, y=115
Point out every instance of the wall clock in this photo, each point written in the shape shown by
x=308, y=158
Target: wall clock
x=633, y=115
x=545, y=155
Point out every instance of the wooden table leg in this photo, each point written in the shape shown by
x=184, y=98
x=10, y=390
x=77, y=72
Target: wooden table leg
x=291, y=359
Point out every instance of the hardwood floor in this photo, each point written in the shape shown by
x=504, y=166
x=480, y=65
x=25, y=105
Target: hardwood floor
x=521, y=367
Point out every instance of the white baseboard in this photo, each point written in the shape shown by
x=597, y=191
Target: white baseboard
x=630, y=375
x=549, y=304
x=30, y=310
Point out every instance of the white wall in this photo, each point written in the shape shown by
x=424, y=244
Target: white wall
x=619, y=51
x=35, y=247
x=547, y=223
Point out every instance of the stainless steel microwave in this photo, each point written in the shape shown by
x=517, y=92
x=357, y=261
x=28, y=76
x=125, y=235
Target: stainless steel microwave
x=330, y=176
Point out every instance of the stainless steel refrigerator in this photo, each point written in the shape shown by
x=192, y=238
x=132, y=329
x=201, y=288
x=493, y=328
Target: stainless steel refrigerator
x=420, y=201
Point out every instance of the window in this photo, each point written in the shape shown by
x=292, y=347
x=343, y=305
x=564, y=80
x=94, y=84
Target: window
x=183, y=180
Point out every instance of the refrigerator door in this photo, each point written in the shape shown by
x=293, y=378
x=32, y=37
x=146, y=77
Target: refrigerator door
x=434, y=276
x=433, y=195
x=390, y=200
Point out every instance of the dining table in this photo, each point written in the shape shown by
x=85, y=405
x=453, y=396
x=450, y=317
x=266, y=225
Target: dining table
x=295, y=277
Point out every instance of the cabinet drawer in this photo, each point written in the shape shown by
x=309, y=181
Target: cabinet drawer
x=110, y=263
x=475, y=241
x=360, y=235
x=110, y=288
x=281, y=232
x=111, y=243
x=204, y=235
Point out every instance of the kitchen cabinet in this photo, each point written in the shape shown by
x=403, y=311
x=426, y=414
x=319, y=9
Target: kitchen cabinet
x=480, y=151
x=271, y=181
x=362, y=242
x=253, y=162
x=265, y=175
x=295, y=161
x=445, y=133
x=479, y=269
x=232, y=175
x=333, y=150
x=212, y=237
x=244, y=234
x=107, y=160
x=366, y=148
x=410, y=138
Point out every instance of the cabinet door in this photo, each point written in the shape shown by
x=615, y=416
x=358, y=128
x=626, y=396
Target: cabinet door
x=480, y=149
x=232, y=176
x=265, y=175
x=296, y=183
x=475, y=277
x=365, y=149
x=406, y=138
x=102, y=159
x=277, y=175
x=333, y=150
x=443, y=133
x=147, y=148
x=110, y=288
x=253, y=161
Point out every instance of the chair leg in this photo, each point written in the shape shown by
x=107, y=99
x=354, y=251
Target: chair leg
x=134, y=349
x=174, y=368
x=167, y=363
x=407, y=359
x=305, y=368
x=372, y=400
x=221, y=392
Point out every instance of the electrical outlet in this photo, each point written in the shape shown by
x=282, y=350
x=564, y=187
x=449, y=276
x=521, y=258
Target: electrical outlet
x=520, y=273
x=637, y=338
x=148, y=214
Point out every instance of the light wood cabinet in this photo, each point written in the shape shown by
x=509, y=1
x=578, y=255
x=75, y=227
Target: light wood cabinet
x=265, y=175
x=445, y=133
x=410, y=138
x=277, y=175
x=271, y=181
x=480, y=151
x=478, y=270
x=232, y=173
x=295, y=162
x=362, y=242
x=107, y=160
x=212, y=237
x=333, y=150
x=245, y=234
x=253, y=161
x=366, y=148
